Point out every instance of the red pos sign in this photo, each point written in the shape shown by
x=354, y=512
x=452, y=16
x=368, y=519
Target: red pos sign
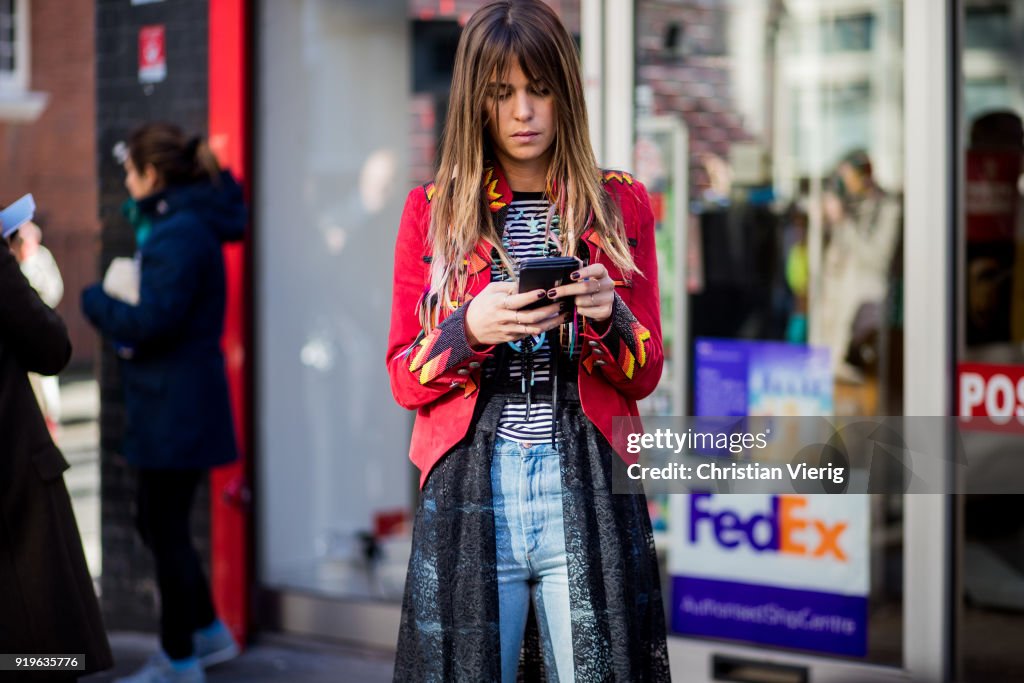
x=994, y=392
x=152, y=54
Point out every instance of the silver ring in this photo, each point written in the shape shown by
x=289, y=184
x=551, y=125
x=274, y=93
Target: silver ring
x=591, y=299
x=504, y=302
x=599, y=285
x=517, y=318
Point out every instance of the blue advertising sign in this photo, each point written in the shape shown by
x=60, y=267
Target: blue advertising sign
x=739, y=377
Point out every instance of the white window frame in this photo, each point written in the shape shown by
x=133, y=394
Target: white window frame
x=17, y=102
x=17, y=81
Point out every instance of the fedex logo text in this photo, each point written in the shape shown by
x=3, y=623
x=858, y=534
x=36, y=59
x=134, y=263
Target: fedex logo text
x=781, y=529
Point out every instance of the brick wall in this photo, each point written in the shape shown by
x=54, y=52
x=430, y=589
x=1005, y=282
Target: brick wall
x=54, y=156
x=129, y=597
x=692, y=79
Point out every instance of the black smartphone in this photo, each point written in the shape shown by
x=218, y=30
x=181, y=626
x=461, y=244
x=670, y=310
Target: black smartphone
x=546, y=273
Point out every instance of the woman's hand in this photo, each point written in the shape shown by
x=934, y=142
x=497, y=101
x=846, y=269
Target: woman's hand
x=594, y=291
x=494, y=315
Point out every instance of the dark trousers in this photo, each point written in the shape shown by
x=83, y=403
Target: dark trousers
x=164, y=510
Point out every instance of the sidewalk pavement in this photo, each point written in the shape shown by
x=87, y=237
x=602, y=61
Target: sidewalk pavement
x=273, y=658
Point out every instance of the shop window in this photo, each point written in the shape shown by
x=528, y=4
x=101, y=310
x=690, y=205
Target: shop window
x=434, y=44
x=986, y=94
x=794, y=222
x=13, y=46
x=990, y=344
x=17, y=103
x=853, y=33
x=988, y=27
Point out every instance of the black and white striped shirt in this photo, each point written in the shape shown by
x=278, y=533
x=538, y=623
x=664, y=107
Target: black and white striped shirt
x=525, y=238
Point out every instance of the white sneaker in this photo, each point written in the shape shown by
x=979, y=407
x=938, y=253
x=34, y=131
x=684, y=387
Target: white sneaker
x=216, y=647
x=159, y=670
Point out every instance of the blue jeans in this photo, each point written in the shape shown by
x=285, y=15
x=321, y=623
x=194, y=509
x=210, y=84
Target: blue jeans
x=526, y=483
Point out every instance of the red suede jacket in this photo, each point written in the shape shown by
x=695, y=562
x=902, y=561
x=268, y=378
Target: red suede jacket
x=438, y=374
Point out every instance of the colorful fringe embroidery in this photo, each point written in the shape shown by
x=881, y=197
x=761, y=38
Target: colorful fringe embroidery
x=441, y=350
x=496, y=199
x=627, y=339
x=620, y=176
x=475, y=262
x=634, y=353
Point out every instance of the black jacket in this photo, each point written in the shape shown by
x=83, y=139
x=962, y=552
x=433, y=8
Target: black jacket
x=47, y=598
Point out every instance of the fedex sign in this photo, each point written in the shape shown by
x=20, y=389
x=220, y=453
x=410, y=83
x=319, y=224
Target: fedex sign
x=785, y=527
x=789, y=570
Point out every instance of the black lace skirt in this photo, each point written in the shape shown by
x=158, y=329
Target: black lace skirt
x=449, y=631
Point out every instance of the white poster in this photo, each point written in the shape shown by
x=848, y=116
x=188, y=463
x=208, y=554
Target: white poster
x=788, y=570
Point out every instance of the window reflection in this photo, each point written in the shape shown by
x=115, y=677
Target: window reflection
x=991, y=327
x=850, y=33
x=796, y=200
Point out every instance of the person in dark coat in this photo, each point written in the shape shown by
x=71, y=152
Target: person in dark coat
x=47, y=602
x=178, y=415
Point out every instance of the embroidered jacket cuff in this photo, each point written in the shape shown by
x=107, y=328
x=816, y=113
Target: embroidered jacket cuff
x=445, y=355
x=618, y=346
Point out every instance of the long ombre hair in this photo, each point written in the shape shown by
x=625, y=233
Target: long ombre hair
x=495, y=36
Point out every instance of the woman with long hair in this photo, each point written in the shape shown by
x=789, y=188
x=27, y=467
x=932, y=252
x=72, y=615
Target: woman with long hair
x=524, y=561
x=167, y=330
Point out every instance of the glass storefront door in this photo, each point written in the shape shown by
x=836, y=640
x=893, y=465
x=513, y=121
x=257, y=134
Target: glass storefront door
x=797, y=237
x=990, y=348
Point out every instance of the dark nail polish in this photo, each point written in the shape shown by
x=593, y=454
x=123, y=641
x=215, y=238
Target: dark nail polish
x=575, y=276
x=541, y=295
x=552, y=293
